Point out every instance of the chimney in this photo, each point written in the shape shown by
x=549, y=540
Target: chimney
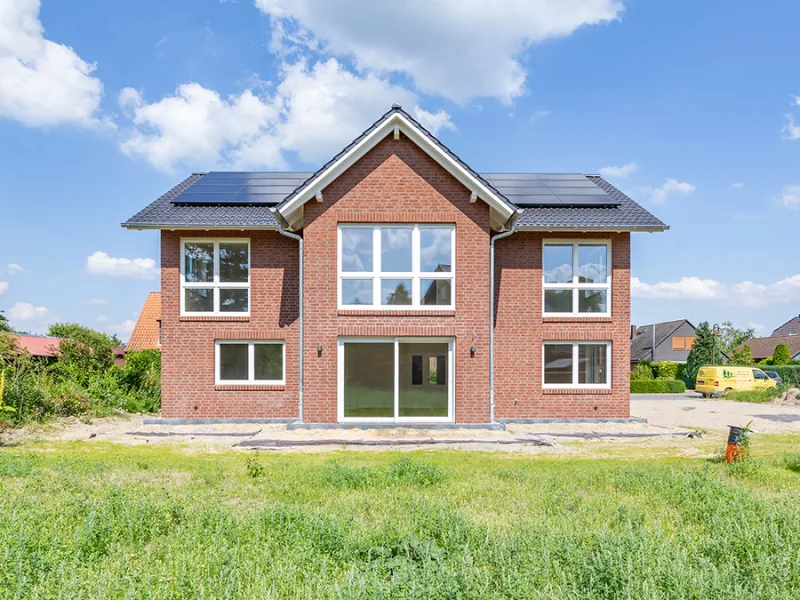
x=633, y=331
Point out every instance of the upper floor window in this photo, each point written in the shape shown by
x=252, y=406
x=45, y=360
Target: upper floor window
x=577, y=278
x=215, y=277
x=396, y=266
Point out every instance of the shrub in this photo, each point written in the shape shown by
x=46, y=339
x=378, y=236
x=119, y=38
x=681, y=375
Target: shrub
x=742, y=356
x=658, y=386
x=792, y=462
x=781, y=355
x=666, y=369
x=642, y=372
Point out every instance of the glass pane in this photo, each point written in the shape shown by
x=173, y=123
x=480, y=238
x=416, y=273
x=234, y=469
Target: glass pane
x=558, y=301
x=198, y=263
x=592, y=264
x=199, y=300
x=356, y=249
x=234, y=261
x=396, y=250
x=395, y=291
x=558, y=264
x=558, y=363
x=590, y=301
x=268, y=362
x=235, y=300
x=357, y=291
x=435, y=250
x=233, y=362
x=436, y=292
x=416, y=369
x=368, y=379
x=429, y=397
x=592, y=363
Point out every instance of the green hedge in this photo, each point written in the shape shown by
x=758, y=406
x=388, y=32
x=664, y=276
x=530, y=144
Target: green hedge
x=789, y=373
x=658, y=386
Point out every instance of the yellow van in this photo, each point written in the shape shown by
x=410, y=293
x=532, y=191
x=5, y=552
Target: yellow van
x=712, y=380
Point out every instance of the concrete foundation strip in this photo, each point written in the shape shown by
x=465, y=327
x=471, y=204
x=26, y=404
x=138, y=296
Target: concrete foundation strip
x=362, y=442
x=194, y=433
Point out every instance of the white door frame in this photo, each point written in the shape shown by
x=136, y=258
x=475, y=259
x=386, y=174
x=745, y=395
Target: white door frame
x=396, y=341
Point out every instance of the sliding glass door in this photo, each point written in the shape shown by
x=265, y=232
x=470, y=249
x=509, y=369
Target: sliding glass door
x=395, y=379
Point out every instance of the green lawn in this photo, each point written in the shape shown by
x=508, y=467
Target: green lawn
x=103, y=521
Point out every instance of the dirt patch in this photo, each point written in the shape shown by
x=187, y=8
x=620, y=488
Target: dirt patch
x=790, y=397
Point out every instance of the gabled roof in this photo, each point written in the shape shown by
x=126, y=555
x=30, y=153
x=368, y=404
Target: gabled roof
x=791, y=327
x=642, y=342
x=392, y=123
x=38, y=345
x=145, y=332
x=764, y=347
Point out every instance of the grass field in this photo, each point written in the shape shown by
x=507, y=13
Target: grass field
x=103, y=521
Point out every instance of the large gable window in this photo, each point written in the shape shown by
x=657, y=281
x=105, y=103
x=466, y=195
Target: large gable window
x=577, y=278
x=215, y=277
x=397, y=266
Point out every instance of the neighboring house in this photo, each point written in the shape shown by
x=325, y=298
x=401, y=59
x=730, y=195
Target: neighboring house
x=791, y=327
x=672, y=342
x=41, y=346
x=764, y=347
x=379, y=265
x=146, y=333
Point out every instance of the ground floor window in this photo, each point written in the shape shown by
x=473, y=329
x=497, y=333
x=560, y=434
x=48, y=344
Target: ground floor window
x=395, y=379
x=244, y=362
x=577, y=364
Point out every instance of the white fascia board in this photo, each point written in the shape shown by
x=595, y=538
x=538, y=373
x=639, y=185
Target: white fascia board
x=421, y=140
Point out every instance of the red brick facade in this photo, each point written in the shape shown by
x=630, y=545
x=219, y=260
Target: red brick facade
x=396, y=182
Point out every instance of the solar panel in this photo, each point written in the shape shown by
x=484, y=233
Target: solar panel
x=241, y=188
x=550, y=189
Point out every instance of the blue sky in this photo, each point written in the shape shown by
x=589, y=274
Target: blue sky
x=688, y=107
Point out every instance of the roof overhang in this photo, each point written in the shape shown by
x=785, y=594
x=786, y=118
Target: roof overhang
x=593, y=229
x=197, y=227
x=396, y=123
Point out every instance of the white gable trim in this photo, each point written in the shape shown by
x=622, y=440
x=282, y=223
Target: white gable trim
x=397, y=122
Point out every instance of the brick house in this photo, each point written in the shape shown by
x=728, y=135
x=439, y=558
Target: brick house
x=380, y=267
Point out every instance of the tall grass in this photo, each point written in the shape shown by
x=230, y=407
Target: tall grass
x=152, y=523
x=756, y=396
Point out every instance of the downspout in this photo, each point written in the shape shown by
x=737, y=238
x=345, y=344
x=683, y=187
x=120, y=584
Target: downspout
x=499, y=236
x=299, y=239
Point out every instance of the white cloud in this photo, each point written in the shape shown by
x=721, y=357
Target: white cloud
x=539, y=115
x=97, y=302
x=790, y=131
x=102, y=318
x=621, y=171
x=459, y=50
x=790, y=196
x=671, y=187
x=43, y=83
x=122, y=330
x=735, y=186
x=14, y=268
x=100, y=263
x=25, y=311
x=3, y=287
x=746, y=293
x=756, y=326
x=314, y=111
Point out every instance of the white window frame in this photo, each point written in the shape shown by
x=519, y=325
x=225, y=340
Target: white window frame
x=216, y=285
x=415, y=275
x=251, y=354
x=576, y=366
x=451, y=372
x=575, y=286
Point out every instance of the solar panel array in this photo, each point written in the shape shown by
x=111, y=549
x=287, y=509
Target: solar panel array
x=269, y=189
x=240, y=188
x=549, y=189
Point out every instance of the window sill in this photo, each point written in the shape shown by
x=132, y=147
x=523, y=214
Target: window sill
x=233, y=387
x=567, y=318
x=567, y=391
x=239, y=318
x=373, y=312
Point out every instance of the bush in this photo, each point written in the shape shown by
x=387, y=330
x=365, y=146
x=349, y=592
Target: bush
x=666, y=370
x=781, y=355
x=658, y=386
x=642, y=372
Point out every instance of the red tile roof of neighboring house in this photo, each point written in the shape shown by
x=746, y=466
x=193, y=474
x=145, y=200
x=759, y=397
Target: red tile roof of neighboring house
x=145, y=333
x=38, y=345
x=764, y=347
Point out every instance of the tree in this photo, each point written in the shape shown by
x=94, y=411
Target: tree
x=731, y=338
x=705, y=351
x=84, y=352
x=5, y=327
x=400, y=295
x=781, y=355
x=741, y=356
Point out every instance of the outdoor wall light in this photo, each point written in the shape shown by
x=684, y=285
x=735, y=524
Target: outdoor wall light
x=319, y=349
x=472, y=351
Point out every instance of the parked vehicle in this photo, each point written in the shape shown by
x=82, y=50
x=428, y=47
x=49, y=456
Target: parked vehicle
x=775, y=376
x=719, y=380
